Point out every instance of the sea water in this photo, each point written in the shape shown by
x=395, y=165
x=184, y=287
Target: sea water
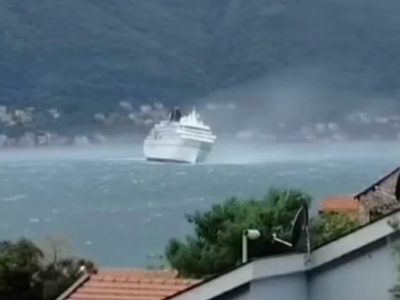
x=117, y=209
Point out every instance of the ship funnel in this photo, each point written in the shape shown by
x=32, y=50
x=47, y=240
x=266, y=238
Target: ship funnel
x=175, y=115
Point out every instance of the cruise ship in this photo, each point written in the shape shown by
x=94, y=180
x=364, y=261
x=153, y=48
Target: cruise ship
x=180, y=139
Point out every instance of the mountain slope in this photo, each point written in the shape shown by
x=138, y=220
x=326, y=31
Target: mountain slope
x=84, y=56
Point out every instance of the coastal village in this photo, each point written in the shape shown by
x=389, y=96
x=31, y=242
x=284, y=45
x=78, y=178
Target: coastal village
x=32, y=127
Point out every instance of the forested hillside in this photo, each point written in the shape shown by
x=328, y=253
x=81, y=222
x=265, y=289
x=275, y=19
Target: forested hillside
x=83, y=57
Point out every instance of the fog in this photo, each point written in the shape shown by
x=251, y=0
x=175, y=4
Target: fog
x=224, y=152
x=290, y=97
x=132, y=152
x=288, y=100
x=240, y=153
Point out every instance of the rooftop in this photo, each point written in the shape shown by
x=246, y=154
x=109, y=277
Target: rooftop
x=379, y=199
x=339, y=204
x=125, y=284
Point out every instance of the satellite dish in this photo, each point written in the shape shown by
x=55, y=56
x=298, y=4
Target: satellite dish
x=397, y=188
x=300, y=224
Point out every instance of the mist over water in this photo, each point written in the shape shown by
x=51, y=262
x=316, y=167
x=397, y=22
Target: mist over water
x=281, y=104
x=237, y=153
x=76, y=153
x=292, y=97
x=224, y=152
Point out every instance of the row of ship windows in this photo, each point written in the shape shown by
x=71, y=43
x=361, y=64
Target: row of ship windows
x=159, y=136
x=167, y=131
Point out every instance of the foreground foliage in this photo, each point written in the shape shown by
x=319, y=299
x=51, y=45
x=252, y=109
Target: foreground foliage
x=216, y=243
x=331, y=225
x=25, y=274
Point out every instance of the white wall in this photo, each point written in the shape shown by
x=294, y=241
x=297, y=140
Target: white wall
x=359, y=266
x=242, y=293
x=366, y=276
x=287, y=287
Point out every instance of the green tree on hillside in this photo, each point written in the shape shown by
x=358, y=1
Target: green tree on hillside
x=215, y=245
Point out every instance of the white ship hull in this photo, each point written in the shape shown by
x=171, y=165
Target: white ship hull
x=177, y=150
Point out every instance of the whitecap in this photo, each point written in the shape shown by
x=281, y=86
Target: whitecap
x=14, y=198
x=287, y=173
x=181, y=173
x=34, y=220
x=123, y=159
x=191, y=200
x=329, y=165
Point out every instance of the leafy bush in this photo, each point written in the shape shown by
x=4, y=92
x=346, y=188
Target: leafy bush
x=24, y=274
x=216, y=243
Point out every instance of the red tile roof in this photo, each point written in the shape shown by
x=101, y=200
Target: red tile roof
x=122, y=284
x=339, y=204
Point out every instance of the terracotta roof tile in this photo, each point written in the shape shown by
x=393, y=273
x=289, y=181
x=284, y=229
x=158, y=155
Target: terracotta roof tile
x=120, y=284
x=339, y=204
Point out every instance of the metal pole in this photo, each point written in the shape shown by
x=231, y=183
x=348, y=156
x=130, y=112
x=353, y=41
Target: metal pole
x=308, y=245
x=244, y=247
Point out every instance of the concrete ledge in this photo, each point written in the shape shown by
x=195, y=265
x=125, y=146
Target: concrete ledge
x=74, y=287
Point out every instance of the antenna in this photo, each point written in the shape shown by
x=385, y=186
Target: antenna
x=300, y=224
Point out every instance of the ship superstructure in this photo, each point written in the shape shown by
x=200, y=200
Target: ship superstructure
x=183, y=139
